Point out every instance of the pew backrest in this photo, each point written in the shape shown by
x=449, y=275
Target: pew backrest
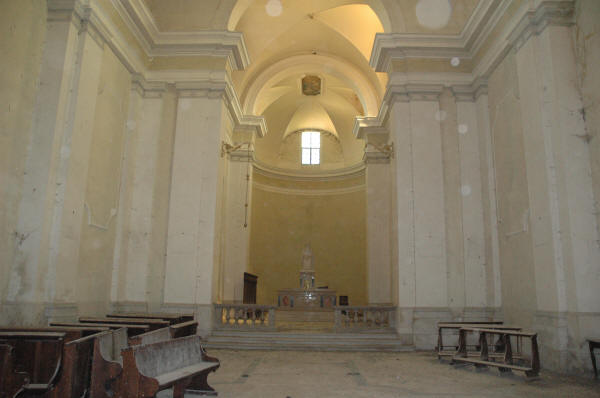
x=157, y=359
x=155, y=336
x=183, y=329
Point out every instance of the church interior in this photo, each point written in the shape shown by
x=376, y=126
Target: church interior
x=223, y=181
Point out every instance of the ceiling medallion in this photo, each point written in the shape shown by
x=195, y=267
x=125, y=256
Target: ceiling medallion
x=311, y=85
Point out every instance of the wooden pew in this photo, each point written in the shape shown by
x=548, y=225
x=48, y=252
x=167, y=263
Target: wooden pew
x=184, y=329
x=506, y=362
x=132, y=329
x=172, y=332
x=153, y=323
x=155, y=336
x=442, y=350
x=71, y=332
x=172, y=318
x=107, y=364
x=10, y=380
x=179, y=363
x=34, y=360
x=74, y=378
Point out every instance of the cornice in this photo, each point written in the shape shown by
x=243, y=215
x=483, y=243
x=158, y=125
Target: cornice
x=309, y=175
x=147, y=89
x=469, y=92
x=309, y=192
x=395, y=93
x=388, y=46
x=214, y=84
x=229, y=45
x=476, y=33
x=405, y=87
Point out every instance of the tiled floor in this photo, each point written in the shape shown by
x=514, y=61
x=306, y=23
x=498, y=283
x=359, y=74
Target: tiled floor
x=294, y=374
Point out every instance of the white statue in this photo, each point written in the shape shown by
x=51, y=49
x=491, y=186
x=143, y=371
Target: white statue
x=307, y=273
x=307, y=258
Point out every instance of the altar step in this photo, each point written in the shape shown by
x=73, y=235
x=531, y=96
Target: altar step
x=298, y=341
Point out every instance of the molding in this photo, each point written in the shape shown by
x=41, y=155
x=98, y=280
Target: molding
x=395, y=93
x=373, y=156
x=308, y=192
x=388, y=46
x=224, y=44
x=214, y=84
x=406, y=87
x=470, y=92
x=147, y=89
x=313, y=175
x=478, y=30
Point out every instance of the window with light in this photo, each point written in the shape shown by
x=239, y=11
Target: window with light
x=311, y=147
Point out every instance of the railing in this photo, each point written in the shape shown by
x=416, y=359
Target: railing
x=372, y=317
x=244, y=316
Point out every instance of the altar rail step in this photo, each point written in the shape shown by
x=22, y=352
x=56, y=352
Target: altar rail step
x=238, y=340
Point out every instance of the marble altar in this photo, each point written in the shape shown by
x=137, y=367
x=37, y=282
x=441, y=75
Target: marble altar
x=306, y=296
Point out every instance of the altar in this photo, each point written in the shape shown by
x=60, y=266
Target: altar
x=306, y=299
x=307, y=296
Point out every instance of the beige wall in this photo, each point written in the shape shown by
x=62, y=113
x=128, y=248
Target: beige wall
x=587, y=56
x=22, y=33
x=285, y=217
x=516, y=257
x=103, y=186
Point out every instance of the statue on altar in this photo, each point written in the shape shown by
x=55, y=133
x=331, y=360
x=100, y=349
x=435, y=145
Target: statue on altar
x=307, y=296
x=307, y=273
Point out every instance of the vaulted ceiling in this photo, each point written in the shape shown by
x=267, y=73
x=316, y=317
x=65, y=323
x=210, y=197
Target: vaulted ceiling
x=331, y=39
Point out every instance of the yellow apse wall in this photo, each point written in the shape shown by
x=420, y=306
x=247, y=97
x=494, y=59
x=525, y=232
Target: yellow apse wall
x=331, y=215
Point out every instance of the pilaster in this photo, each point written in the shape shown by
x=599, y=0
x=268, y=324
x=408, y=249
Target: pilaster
x=240, y=158
x=378, y=152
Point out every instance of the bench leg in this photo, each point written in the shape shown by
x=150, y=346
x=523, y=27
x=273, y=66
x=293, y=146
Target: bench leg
x=592, y=346
x=199, y=385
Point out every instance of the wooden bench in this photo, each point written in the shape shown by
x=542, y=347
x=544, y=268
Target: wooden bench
x=107, y=364
x=132, y=329
x=594, y=343
x=10, y=379
x=172, y=318
x=442, y=350
x=152, y=323
x=34, y=360
x=506, y=363
x=178, y=363
x=178, y=330
x=184, y=329
x=155, y=336
x=71, y=333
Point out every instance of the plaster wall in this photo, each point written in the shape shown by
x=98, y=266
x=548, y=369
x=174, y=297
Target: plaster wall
x=429, y=214
x=587, y=57
x=161, y=195
x=451, y=160
x=133, y=262
x=476, y=267
x=379, y=223
x=286, y=215
x=514, y=235
x=237, y=228
x=194, y=186
x=22, y=33
x=103, y=186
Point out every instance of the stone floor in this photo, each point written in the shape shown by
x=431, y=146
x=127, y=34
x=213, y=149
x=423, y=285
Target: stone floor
x=281, y=374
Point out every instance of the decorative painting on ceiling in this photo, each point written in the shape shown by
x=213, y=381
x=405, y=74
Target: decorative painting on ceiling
x=311, y=85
